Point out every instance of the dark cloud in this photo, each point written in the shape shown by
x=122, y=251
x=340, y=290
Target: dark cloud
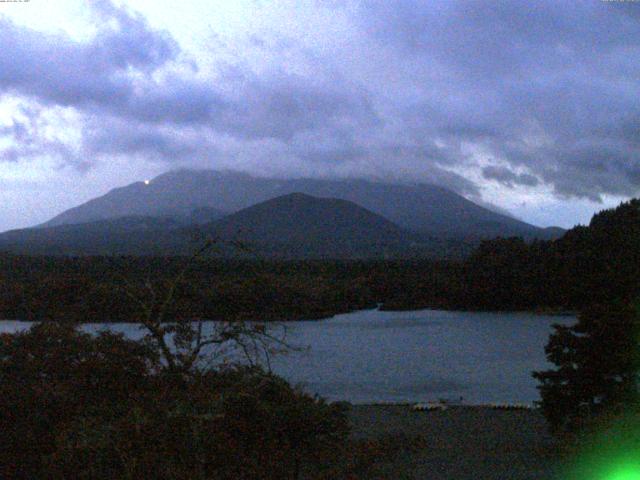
x=175, y=100
x=114, y=136
x=423, y=90
x=282, y=105
x=25, y=139
x=509, y=178
x=545, y=86
x=509, y=38
x=55, y=69
x=113, y=81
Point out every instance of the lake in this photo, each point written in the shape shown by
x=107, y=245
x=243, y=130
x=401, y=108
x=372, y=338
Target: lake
x=372, y=356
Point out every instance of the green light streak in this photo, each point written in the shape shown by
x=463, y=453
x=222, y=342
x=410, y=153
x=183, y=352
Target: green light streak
x=612, y=452
x=626, y=472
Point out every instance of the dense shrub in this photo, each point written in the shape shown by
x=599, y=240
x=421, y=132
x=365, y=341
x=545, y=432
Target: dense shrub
x=598, y=367
x=53, y=374
x=78, y=406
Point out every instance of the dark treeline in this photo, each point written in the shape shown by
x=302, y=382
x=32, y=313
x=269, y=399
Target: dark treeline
x=100, y=288
x=588, y=263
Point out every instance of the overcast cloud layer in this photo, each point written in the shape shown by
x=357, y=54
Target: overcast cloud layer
x=530, y=106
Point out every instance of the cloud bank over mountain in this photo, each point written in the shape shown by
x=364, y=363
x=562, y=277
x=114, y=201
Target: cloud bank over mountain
x=535, y=102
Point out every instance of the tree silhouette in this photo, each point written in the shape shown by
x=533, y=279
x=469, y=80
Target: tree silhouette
x=598, y=366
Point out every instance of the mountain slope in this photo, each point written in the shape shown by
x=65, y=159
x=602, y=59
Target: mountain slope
x=291, y=226
x=299, y=225
x=420, y=208
x=136, y=235
x=169, y=197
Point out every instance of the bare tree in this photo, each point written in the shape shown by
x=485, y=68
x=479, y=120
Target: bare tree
x=186, y=344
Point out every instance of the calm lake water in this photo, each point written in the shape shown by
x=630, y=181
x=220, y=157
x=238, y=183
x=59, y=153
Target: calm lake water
x=373, y=356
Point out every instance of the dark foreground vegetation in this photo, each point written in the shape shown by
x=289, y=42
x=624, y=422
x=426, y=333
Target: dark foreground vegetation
x=103, y=407
x=588, y=264
x=76, y=405
x=591, y=398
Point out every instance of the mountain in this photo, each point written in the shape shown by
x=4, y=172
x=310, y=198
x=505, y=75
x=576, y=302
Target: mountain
x=290, y=226
x=201, y=215
x=296, y=217
x=136, y=235
x=162, y=198
x=299, y=225
x=423, y=208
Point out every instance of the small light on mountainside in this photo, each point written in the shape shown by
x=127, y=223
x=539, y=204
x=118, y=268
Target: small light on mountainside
x=147, y=182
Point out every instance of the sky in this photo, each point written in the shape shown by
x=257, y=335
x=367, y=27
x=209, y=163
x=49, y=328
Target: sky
x=530, y=107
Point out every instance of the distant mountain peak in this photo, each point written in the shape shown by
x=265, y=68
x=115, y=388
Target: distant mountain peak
x=418, y=207
x=301, y=225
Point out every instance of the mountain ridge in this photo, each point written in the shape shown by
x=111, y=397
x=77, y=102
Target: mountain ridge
x=424, y=208
x=291, y=226
x=297, y=215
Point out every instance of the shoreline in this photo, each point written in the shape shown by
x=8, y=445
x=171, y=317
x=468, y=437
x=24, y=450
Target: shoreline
x=450, y=405
x=461, y=442
x=328, y=316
